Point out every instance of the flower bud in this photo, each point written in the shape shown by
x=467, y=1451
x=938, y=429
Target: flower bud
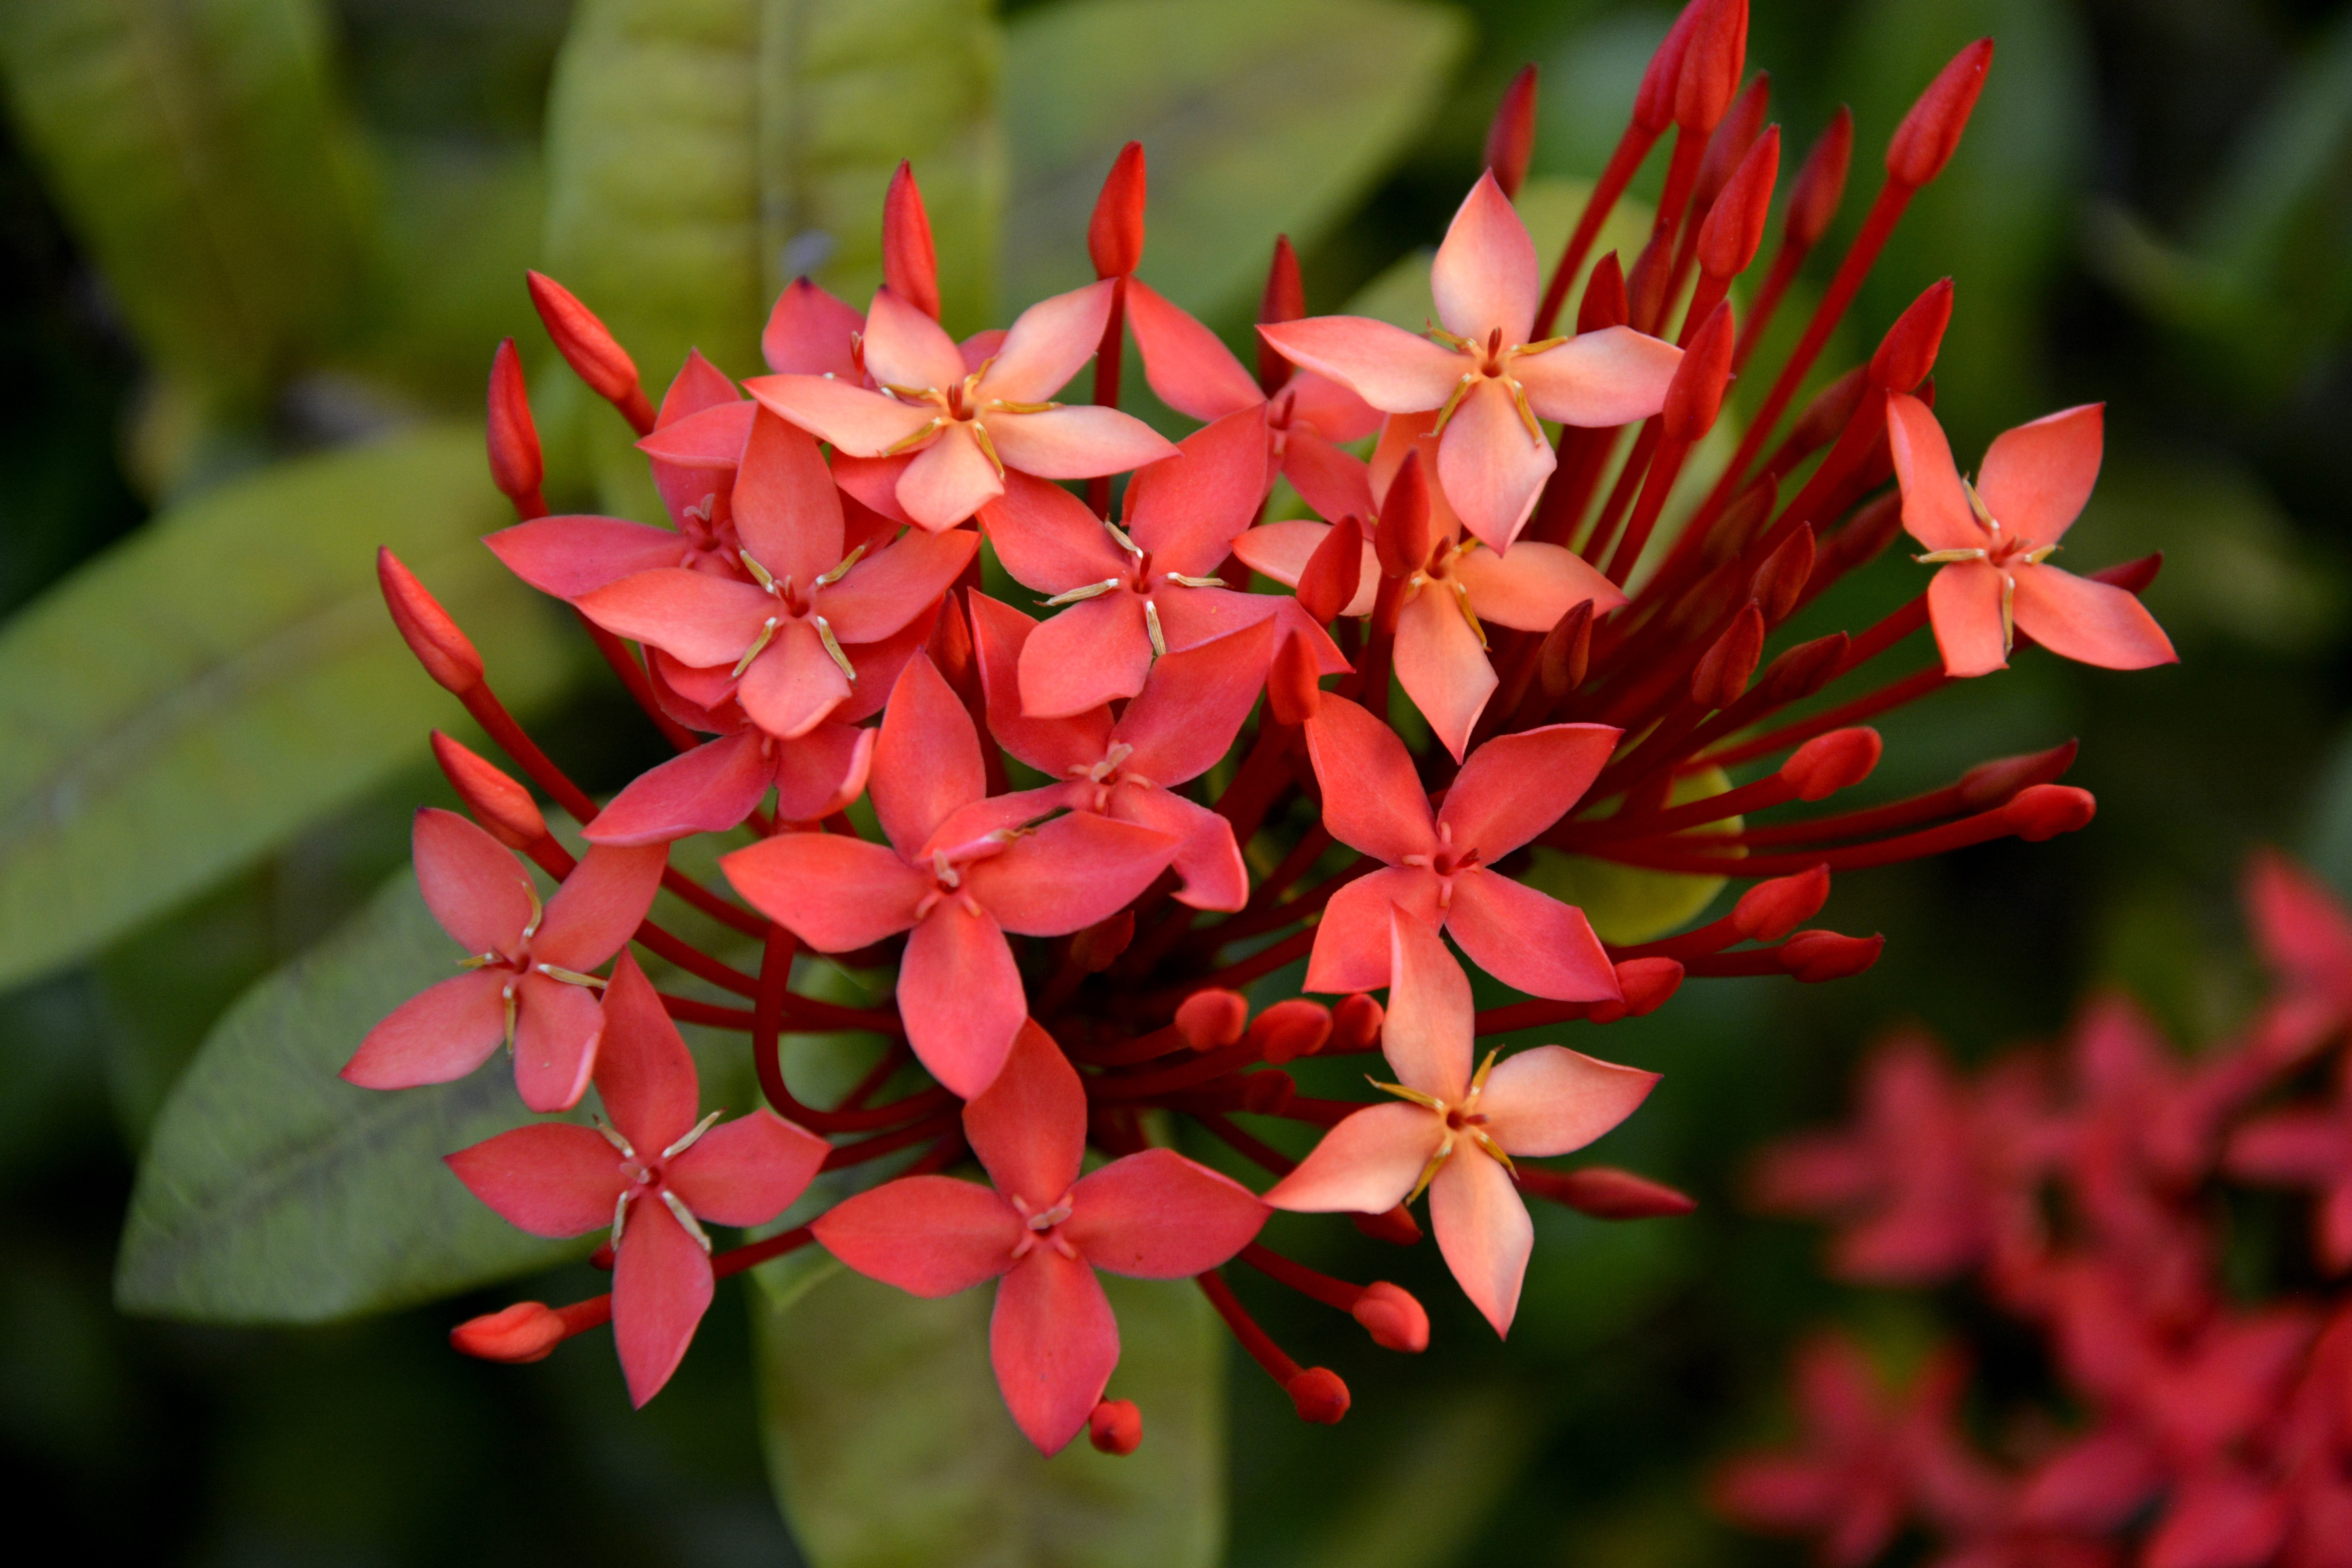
x=1724, y=669
x=1396, y=1226
x=1210, y=1020
x=1803, y=669
x=1828, y=764
x=525, y=1331
x=1567, y=651
x=1291, y=694
x=2132, y=576
x=446, y=653
x=1355, y=1025
x=1820, y=184
x=1645, y=286
x=1908, y=352
x=588, y=347
x=1285, y=300
x=1694, y=396
x=1824, y=416
x=1267, y=1093
x=1644, y=984
x=1734, y=229
x=1770, y=910
x=1996, y=782
x=1319, y=1395
x=1813, y=956
x=950, y=646
x=1605, y=1193
x=1865, y=534
x=502, y=805
x=1328, y=582
x=1511, y=139
x=516, y=466
x=1728, y=147
x=1098, y=947
x=1711, y=65
x=1290, y=1029
x=1395, y=1320
x=1116, y=1427
x=1115, y=233
x=909, y=264
x=2046, y=810
x=1604, y=303
x=1782, y=578
x=1929, y=134
x=1402, y=539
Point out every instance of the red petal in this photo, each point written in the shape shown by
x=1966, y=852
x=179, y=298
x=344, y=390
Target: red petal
x=661, y=1287
x=1029, y=1129
x=1598, y=379
x=746, y=1171
x=1936, y=510
x=1077, y=443
x=1442, y=667
x=1365, y=1164
x=600, y=905
x=701, y=619
x=1070, y=873
x=1186, y=509
x=1395, y=371
x=569, y=556
x=1551, y=1100
x=1486, y=277
x=1158, y=1215
x=926, y=763
x=1515, y=787
x=859, y=422
x=960, y=996
x=1492, y=468
x=809, y=333
x=2035, y=478
x=949, y=478
x=550, y=1178
x=822, y=772
x=1426, y=1035
x=1530, y=941
x=1051, y=746
x=835, y=892
x=929, y=1236
x=1054, y=1343
x=794, y=684
x=1046, y=345
x=1352, y=942
x=1206, y=857
x=1047, y=539
x=1336, y=483
x=557, y=1026
x=1372, y=798
x=787, y=511
x=1533, y=585
x=1964, y=603
x=906, y=347
x=2089, y=622
x=1483, y=1230
x=441, y=1033
x=1094, y=650
x=707, y=790
x=709, y=438
x=890, y=587
x=1193, y=704
x=645, y=1074
x=1189, y=366
x=475, y=886
x=873, y=483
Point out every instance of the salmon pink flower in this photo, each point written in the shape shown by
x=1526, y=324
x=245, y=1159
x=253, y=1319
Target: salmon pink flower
x=1440, y=863
x=964, y=428
x=960, y=871
x=654, y=1176
x=1455, y=1132
x=715, y=786
x=812, y=332
x=1489, y=385
x=527, y=982
x=1993, y=541
x=1042, y=1233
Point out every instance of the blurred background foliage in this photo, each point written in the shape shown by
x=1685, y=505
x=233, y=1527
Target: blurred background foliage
x=255, y=254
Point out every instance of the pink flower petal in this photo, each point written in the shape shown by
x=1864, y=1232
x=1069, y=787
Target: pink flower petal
x=880, y=664
x=1551, y=1100
x=1051, y=746
x=1189, y=366
x=709, y=437
x=1186, y=509
x=1281, y=551
x=1336, y=483
x=891, y=586
x=927, y=764
x=475, y=886
x=1532, y=585
x=1158, y=1215
x=1372, y=798
x=1492, y=468
x=794, y=683
x=1029, y=1129
x=441, y=1033
x=701, y=619
x=1207, y=858
x=1483, y=1230
x=746, y=1171
x=822, y=772
x=1515, y=787
x=1047, y=539
x=1190, y=617
x=787, y=512
x=2089, y=622
x=929, y=1236
x=1092, y=651
x=707, y=790
x=661, y=1287
x=699, y=384
x=873, y=483
x=948, y=480
x=1935, y=510
x=1403, y=433
x=1427, y=1031
x=1352, y=941
x=1319, y=407
x=1441, y=666
x=1365, y=1164
x=557, y=1027
x=1076, y=443
x=1193, y=704
x=1964, y=604
x=549, y=1178
x=1054, y=1343
x=1613, y=377
x=1046, y=345
x=905, y=347
x=569, y=556
x=2035, y=478
x=1527, y=939
x=1070, y=873
x=1486, y=277
x=645, y=1074
x=835, y=892
x=810, y=332
x=960, y=996
x=600, y=905
x=853, y=419
x=1395, y=371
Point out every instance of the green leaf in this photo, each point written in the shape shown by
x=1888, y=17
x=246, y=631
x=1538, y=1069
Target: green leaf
x=890, y=1447
x=187, y=700
x=1627, y=903
x=1256, y=120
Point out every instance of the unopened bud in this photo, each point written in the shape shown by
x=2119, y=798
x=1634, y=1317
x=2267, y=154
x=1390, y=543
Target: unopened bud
x=951, y=646
x=1098, y=947
x=1867, y=534
x=1355, y=1025
x=1746, y=514
x=1395, y=1225
x=1712, y=64
x=2045, y=811
x=1391, y=1315
x=1290, y=1029
x=1291, y=694
x=1328, y=582
x=516, y=466
x=1930, y=134
x=1820, y=184
x=1116, y=1427
x=1781, y=580
x=1724, y=669
x=1908, y=352
x=1604, y=304
x=1803, y=669
x=446, y=653
x=1734, y=229
x=1770, y=910
x=1694, y=396
x=1567, y=651
x=1828, y=764
x=588, y=346
x=1211, y=1019
x=1813, y=956
x=1996, y=782
x=502, y=806
x=525, y=1331
x=1728, y=147
x=2132, y=576
x=1320, y=1395
x=1402, y=539
x=1645, y=286
x=1115, y=234
x=1826, y=415
x=1285, y=300
x=1511, y=139
x=1267, y=1093
x=909, y=264
x=1644, y=984
x=1606, y=1192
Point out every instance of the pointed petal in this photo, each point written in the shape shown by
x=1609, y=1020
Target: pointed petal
x=549, y=1178
x=1552, y=1101
x=1442, y=667
x=1189, y=366
x=929, y=1236
x=1365, y=1164
x=1070, y=873
x=1515, y=787
x=1158, y=1215
x=1206, y=857
x=822, y=772
x=1186, y=509
x=699, y=384
x=661, y=1287
x=1529, y=588
x=475, y=886
x=1047, y=343
x=1029, y=1130
x=880, y=664
x=1054, y=1343
x=710, y=437
x=557, y=1030
x=644, y=1075
x=1372, y=798
x=1935, y=510
x=707, y=790
x=948, y=480
x=1281, y=551
x=905, y=347
x=960, y=996
x=1322, y=407
x=810, y=332
x=1395, y=371
x=787, y=511
x=1530, y=941
x=1484, y=1231
x=1047, y=539
x=835, y=892
x=698, y=618
x=1051, y=746
x=1426, y=1033
x=1492, y=469
x=600, y=905
x=2036, y=478
x=1336, y=483
x=1076, y=443
x=982, y=346
x=873, y=483
x=854, y=419
x=926, y=763
x=1964, y=603
x=789, y=689
x=441, y=1033
x=1193, y=703
x=891, y=586
x=745, y=1171
x=2089, y=622
x=1613, y=377
x=569, y=556
x=1352, y=941
x=1486, y=277
x=1403, y=433
x=1091, y=652
x=1190, y=617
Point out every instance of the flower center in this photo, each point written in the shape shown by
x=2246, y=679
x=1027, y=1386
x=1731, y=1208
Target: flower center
x=1041, y=1226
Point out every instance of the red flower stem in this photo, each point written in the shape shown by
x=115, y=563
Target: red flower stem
x=1301, y=859
x=1201, y=1069
x=1910, y=689
x=1768, y=791
x=1891, y=629
x=1620, y=495
x=1236, y=975
x=1710, y=293
x=772, y=997
x=1633, y=147
x=1255, y=1340
x=1665, y=467
x=1682, y=177
x=1318, y=1113
x=1896, y=815
x=694, y=961
x=866, y=1149
x=1262, y=1154
x=1335, y=1293
x=625, y=664
x=1369, y=685
x=1273, y=917
x=1530, y=1015
x=1981, y=828
x=1262, y=775
x=1141, y=1048
x=1768, y=301
x=1109, y=360
x=750, y=1255
x=893, y=1058
x=685, y=1010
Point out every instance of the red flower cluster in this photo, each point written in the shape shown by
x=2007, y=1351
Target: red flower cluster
x=2082, y=1198
x=809, y=635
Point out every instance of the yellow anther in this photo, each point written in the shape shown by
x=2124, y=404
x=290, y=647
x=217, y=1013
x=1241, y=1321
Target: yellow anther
x=1000, y=406
x=841, y=570
x=620, y=1214
x=2008, y=614
x=1426, y=1101
x=1461, y=390
x=537, y=911
x=2041, y=553
x=916, y=437
x=1946, y=557
x=1125, y=542
x=1977, y=505
x=987, y=447
x=1152, y=629
x=1462, y=597
x=1534, y=348
x=612, y=1136
x=685, y=1216
x=766, y=631
x=1494, y=1149
x=1194, y=582
x=1091, y=590
x=1526, y=414
x=760, y=573
x=1429, y=1172
x=572, y=977
x=683, y=1144
x=825, y=634
x=1459, y=345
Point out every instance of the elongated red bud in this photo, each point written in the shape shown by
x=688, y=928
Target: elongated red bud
x=1724, y=669
x=1267, y=1093
x=1812, y=957
x=446, y=653
x=1285, y=300
x=1319, y=1395
x=1930, y=134
x=1653, y=102
x=1567, y=651
x=1827, y=414
x=1511, y=139
x=516, y=466
x=2046, y=810
x=2132, y=576
x=1604, y=303
x=1355, y=1025
x=1734, y=229
x=1820, y=184
x=502, y=806
x=1745, y=515
x=1394, y=1226
x=1997, y=782
x=1803, y=669
x=525, y=1331
x=1292, y=695
x=1712, y=64
x=1770, y=910
x=1782, y=578
x=1908, y=351
x=909, y=264
x=1645, y=984
x=1606, y=1192
x=1645, y=286
x=1728, y=147
x=1694, y=396
x=1116, y=1427
x=1402, y=539
x=1391, y=1316
x=1098, y=947
x=1290, y=1029
x=951, y=646
x=1332, y=573
x=1210, y=1020
x=590, y=349
x=1867, y=532
x=1828, y=764
x=1115, y=234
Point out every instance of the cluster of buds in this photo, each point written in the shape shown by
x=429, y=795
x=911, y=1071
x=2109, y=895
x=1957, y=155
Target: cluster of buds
x=811, y=637
x=2082, y=1198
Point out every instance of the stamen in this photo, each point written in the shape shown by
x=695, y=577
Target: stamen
x=1426, y=1101
x=1090, y=591
x=572, y=976
x=1462, y=597
x=760, y=573
x=686, y=1218
x=1946, y=557
x=1534, y=348
x=1461, y=390
x=537, y=911
x=1431, y=329
x=1125, y=542
x=1526, y=414
x=1429, y=1172
x=825, y=634
x=511, y=1016
x=1194, y=582
x=2008, y=614
x=757, y=642
x=1494, y=1149
x=838, y=573
x=1151, y=628
x=1977, y=505
x=477, y=960
x=683, y=1144
x=914, y=439
x=612, y=1136
x=987, y=447
x=999, y=404
x=2041, y=553
x=619, y=1213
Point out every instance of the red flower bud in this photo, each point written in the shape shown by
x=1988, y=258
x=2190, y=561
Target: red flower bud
x=1734, y=228
x=1355, y=1025
x=1996, y=782
x=1644, y=984
x=1770, y=910
x=1402, y=539
x=1395, y=1320
x=1654, y=104
x=1803, y=669
x=1115, y=234
x=1604, y=304
x=950, y=646
x=1098, y=947
x=1724, y=669
x=909, y=264
x=1813, y=956
x=588, y=347
x=1567, y=651
x=516, y=466
x=1867, y=532
x=1396, y=1226
x=1290, y=1029
x=1820, y=184
x=1267, y=1093
x=1828, y=764
x=1712, y=64
x=1824, y=416
x=1645, y=286
x=1694, y=396
x=1285, y=300
x=1292, y=696
x=1606, y=1192
x=2132, y=576
x=1208, y=1019
x=446, y=653
x=2046, y=810
x=1116, y=1427
x=502, y=805
x=1926, y=140
x=1329, y=581
x=1511, y=139
x=1908, y=352
x=525, y=1331
x=1783, y=576
x=1320, y=1395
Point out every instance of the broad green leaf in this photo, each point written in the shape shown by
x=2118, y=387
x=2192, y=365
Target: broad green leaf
x=187, y=700
x=1256, y=120
x=1626, y=904
x=890, y=1447
x=1467, y=1446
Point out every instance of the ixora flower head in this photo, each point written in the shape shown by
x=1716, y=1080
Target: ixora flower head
x=1101, y=874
